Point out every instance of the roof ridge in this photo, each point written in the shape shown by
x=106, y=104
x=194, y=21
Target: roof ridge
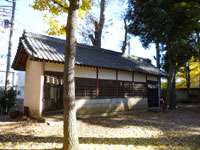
x=140, y=59
x=102, y=49
x=137, y=57
x=42, y=36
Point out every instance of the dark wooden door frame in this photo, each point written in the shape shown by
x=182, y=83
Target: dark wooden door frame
x=153, y=98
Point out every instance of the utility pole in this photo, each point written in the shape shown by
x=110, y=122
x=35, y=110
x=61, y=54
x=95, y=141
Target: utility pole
x=10, y=43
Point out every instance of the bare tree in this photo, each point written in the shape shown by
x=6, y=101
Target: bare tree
x=93, y=26
x=124, y=44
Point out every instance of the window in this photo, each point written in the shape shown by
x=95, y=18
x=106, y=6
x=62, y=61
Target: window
x=139, y=89
x=107, y=88
x=85, y=87
x=125, y=88
x=92, y=88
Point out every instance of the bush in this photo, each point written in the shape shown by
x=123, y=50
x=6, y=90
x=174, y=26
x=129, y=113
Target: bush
x=7, y=100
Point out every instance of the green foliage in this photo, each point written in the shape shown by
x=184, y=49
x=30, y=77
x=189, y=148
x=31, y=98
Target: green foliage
x=163, y=21
x=7, y=100
x=164, y=85
x=171, y=23
x=183, y=50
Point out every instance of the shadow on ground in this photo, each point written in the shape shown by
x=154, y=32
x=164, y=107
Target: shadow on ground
x=183, y=117
x=162, y=141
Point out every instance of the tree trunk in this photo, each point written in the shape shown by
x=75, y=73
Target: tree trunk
x=171, y=91
x=158, y=66
x=96, y=39
x=157, y=55
x=125, y=37
x=187, y=76
x=198, y=44
x=70, y=141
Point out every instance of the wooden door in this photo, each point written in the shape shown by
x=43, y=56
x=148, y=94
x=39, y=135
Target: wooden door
x=152, y=94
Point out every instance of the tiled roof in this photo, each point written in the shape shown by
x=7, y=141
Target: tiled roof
x=45, y=48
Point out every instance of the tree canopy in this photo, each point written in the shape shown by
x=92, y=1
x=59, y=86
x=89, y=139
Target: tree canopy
x=171, y=23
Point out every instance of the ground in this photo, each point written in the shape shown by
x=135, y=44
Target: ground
x=178, y=129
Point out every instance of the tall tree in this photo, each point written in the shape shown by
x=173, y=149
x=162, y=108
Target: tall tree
x=98, y=26
x=92, y=28
x=189, y=68
x=70, y=141
x=198, y=50
x=194, y=74
x=187, y=75
x=169, y=23
x=70, y=132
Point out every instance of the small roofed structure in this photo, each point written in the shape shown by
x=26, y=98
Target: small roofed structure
x=105, y=80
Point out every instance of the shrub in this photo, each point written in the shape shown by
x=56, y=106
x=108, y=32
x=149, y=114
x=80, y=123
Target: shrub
x=7, y=100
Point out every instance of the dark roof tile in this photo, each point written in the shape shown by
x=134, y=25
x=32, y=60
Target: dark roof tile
x=52, y=49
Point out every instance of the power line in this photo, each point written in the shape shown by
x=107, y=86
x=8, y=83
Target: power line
x=2, y=6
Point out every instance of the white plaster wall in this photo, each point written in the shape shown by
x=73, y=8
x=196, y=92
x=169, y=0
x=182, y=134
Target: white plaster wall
x=139, y=77
x=107, y=74
x=54, y=67
x=125, y=76
x=152, y=78
x=34, y=81
x=80, y=71
x=85, y=72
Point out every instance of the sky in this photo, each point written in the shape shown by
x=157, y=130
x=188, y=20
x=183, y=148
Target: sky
x=32, y=21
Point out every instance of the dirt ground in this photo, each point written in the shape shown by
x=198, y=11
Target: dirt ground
x=178, y=129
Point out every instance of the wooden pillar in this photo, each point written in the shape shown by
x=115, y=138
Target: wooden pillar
x=146, y=86
x=117, y=84
x=133, y=76
x=133, y=91
x=159, y=89
x=97, y=80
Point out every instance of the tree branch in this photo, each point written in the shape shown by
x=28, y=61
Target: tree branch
x=61, y=5
x=91, y=37
x=123, y=48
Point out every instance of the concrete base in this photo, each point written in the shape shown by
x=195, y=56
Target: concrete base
x=106, y=107
x=111, y=105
